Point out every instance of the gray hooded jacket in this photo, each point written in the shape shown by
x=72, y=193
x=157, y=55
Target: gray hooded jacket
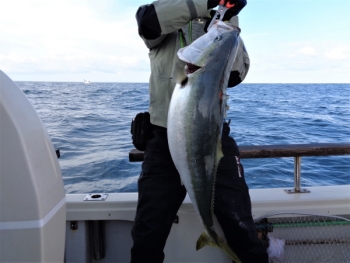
x=172, y=16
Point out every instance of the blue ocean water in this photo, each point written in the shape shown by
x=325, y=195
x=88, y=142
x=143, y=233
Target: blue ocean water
x=90, y=124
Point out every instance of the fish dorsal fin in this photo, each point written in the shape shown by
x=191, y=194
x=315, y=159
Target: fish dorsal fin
x=226, y=106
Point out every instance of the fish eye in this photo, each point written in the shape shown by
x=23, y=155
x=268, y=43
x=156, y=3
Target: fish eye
x=218, y=38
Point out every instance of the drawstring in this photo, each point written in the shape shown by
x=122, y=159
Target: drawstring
x=181, y=34
x=182, y=40
x=190, y=31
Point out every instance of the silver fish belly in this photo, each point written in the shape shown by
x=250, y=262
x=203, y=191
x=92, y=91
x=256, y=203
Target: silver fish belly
x=196, y=113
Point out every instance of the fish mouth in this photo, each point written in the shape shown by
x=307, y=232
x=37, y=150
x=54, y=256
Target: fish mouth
x=190, y=68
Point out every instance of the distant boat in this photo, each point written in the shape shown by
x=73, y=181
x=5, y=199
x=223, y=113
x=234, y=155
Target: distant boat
x=87, y=81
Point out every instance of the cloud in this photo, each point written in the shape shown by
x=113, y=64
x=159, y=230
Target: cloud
x=306, y=62
x=67, y=40
x=72, y=64
x=68, y=37
x=327, y=51
x=308, y=51
x=339, y=53
x=62, y=25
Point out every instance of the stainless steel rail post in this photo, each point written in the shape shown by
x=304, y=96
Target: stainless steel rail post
x=297, y=175
x=297, y=178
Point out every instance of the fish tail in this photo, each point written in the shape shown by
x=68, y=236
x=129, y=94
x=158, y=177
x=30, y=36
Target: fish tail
x=204, y=240
x=225, y=247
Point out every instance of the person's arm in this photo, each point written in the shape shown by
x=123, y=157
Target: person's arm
x=240, y=67
x=148, y=23
x=162, y=17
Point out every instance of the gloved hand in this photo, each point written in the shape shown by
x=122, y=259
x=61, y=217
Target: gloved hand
x=226, y=129
x=235, y=6
x=228, y=144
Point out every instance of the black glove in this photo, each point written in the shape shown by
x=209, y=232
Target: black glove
x=226, y=129
x=235, y=6
x=228, y=144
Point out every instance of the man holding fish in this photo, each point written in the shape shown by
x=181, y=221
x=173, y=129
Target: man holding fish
x=190, y=150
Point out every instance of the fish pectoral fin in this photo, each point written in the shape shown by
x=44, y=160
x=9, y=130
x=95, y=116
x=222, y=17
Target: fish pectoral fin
x=204, y=240
x=219, y=153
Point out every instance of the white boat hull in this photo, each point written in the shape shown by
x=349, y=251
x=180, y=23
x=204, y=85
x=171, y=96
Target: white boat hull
x=117, y=214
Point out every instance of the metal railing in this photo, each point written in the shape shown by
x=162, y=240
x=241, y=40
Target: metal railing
x=277, y=151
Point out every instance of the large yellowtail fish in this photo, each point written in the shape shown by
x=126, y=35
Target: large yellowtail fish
x=196, y=114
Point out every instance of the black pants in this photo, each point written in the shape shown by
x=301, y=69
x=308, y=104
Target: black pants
x=161, y=195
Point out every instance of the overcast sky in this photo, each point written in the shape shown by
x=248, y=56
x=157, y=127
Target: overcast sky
x=289, y=41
